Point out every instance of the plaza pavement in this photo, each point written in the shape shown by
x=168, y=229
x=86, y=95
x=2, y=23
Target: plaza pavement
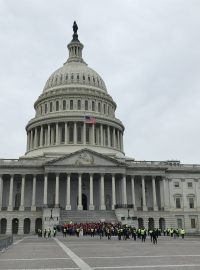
x=86, y=253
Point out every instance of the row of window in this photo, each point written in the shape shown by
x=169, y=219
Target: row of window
x=79, y=104
x=71, y=78
x=177, y=184
x=190, y=202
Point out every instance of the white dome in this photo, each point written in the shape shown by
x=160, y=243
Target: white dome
x=75, y=73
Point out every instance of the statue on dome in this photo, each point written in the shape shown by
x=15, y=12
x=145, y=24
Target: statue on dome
x=75, y=29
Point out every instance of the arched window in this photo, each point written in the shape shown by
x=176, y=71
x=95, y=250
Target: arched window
x=57, y=105
x=88, y=78
x=41, y=109
x=83, y=77
x=71, y=104
x=77, y=77
x=72, y=76
x=66, y=77
x=51, y=106
x=64, y=104
x=62, y=134
x=93, y=106
x=104, y=108
x=86, y=105
x=108, y=110
x=79, y=105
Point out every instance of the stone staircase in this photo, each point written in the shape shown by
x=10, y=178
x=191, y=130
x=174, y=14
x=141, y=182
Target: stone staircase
x=87, y=216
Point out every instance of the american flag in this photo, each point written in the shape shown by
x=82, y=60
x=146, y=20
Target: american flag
x=90, y=119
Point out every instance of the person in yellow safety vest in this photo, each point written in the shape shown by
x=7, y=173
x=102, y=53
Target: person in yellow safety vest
x=143, y=234
x=182, y=233
x=171, y=232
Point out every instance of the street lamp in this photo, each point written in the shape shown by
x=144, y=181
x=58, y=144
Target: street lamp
x=128, y=214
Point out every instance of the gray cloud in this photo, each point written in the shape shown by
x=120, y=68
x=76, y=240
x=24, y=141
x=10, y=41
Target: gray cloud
x=147, y=52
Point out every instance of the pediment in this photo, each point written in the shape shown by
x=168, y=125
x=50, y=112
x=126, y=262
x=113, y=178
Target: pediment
x=84, y=157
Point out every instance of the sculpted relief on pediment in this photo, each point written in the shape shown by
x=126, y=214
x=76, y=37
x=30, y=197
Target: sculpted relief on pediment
x=84, y=158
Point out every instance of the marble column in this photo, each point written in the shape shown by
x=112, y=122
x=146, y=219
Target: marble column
x=75, y=133
x=124, y=194
x=57, y=134
x=113, y=192
x=35, y=138
x=101, y=132
x=21, y=208
x=102, y=195
x=10, y=203
x=144, y=206
x=48, y=135
x=91, y=206
x=68, y=194
x=133, y=192
x=93, y=134
x=31, y=142
x=114, y=141
x=108, y=134
x=118, y=141
x=165, y=194
x=33, y=206
x=45, y=190
x=1, y=191
x=155, y=206
x=28, y=141
x=41, y=136
x=66, y=137
x=80, y=206
x=57, y=191
x=84, y=133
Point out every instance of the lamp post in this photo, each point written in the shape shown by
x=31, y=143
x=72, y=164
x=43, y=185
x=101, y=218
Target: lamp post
x=128, y=214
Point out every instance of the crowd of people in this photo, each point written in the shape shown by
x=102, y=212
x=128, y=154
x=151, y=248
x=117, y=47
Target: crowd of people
x=106, y=229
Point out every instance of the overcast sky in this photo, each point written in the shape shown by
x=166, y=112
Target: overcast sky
x=147, y=52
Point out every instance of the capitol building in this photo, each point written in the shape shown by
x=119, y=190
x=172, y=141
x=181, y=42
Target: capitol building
x=75, y=167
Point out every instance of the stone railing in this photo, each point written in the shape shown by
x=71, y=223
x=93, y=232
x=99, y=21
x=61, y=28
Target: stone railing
x=5, y=242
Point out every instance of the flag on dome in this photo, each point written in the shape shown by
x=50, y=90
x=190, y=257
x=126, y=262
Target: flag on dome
x=90, y=119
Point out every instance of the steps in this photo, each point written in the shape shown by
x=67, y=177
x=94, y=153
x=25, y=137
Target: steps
x=84, y=216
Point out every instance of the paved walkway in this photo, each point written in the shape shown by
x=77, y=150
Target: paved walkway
x=86, y=253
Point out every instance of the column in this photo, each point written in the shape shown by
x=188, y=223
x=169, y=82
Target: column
x=133, y=192
x=75, y=133
x=41, y=136
x=91, y=206
x=118, y=142
x=108, y=132
x=66, y=137
x=84, y=133
x=48, y=135
x=36, y=138
x=124, y=195
x=45, y=190
x=1, y=191
x=31, y=142
x=28, y=139
x=114, y=142
x=68, y=205
x=57, y=191
x=57, y=134
x=113, y=192
x=166, y=195
x=121, y=141
x=21, y=208
x=33, y=206
x=80, y=206
x=102, y=196
x=101, y=132
x=144, y=206
x=10, y=203
x=93, y=135
x=155, y=206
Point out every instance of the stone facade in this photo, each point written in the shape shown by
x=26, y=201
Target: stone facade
x=75, y=161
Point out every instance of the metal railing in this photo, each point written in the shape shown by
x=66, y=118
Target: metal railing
x=5, y=242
